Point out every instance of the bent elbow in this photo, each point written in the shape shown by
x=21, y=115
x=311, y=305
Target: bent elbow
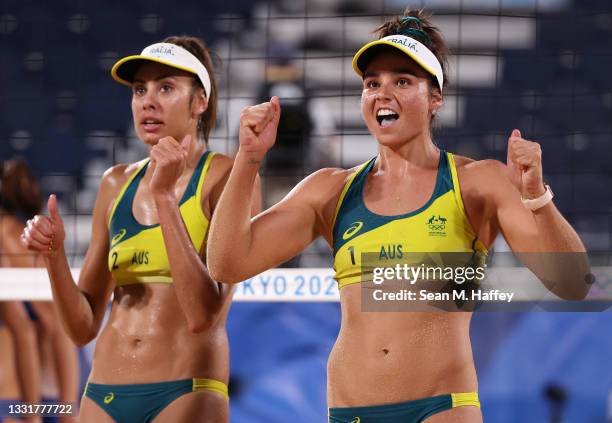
x=224, y=273
x=198, y=327
x=571, y=293
x=82, y=338
x=81, y=341
x=575, y=295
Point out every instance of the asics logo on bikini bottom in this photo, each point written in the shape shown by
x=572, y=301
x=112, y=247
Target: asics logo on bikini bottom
x=109, y=398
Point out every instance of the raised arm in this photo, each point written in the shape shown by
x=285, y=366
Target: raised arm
x=200, y=297
x=240, y=247
x=81, y=308
x=541, y=238
x=551, y=232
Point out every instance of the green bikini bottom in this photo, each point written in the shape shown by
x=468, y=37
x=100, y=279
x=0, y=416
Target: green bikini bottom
x=141, y=403
x=404, y=412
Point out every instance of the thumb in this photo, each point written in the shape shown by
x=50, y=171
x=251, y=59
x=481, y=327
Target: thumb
x=277, y=109
x=53, y=211
x=186, y=142
x=515, y=134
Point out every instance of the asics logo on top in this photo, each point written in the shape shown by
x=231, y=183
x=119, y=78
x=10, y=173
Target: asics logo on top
x=352, y=230
x=118, y=236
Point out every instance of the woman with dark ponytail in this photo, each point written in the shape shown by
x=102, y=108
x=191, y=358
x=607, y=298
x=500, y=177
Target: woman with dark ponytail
x=163, y=356
x=20, y=199
x=413, y=197
x=19, y=196
x=19, y=192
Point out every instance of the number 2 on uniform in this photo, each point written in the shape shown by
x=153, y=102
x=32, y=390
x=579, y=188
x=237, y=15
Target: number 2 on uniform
x=115, y=256
x=352, y=251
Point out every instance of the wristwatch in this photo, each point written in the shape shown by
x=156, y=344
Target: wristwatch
x=537, y=203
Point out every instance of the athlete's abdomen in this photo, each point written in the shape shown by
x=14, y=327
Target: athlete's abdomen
x=147, y=339
x=390, y=357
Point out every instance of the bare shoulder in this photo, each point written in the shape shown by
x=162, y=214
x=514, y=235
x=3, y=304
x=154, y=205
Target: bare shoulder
x=220, y=166
x=321, y=190
x=217, y=174
x=116, y=176
x=330, y=175
x=10, y=227
x=222, y=161
x=482, y=177
x=214, y=183
x=324, y=184
x=12, y=252
x=485, y=167
x=462, y=161
x=113, y=181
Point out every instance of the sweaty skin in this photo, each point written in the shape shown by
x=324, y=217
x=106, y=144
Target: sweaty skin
x=382, y=358
x=156, y=331
x=30, y=338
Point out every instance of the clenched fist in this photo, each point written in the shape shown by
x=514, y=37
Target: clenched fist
x=168, y=161
x=258, y=125
x=45, y=234
x=524, y=163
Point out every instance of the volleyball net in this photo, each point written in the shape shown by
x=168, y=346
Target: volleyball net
x=542, y=66
x=510, y=67
x=504, y=288
x=274, y=285
x=502, y=57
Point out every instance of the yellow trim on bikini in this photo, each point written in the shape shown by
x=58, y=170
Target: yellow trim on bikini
x=459, y=199
x=212, y=385
x=204, y=171
x=465, y=398
x=345, y=189
x=456, y=186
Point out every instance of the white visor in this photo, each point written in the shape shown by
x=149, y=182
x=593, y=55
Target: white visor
x=413, y=48
x=164, y=53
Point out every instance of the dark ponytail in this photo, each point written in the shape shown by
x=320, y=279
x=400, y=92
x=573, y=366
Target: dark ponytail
x=19, y=191
x=196, y=46
x=417, y=24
